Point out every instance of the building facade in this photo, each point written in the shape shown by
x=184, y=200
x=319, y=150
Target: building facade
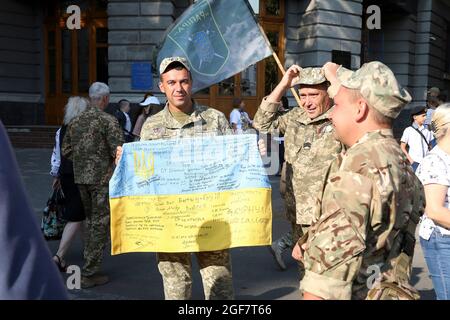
x=42, y=62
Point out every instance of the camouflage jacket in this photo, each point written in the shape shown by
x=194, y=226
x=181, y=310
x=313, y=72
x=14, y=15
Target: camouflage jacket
x=90, y=142
x=372, y=200
x=203, y=121
x=310, y=147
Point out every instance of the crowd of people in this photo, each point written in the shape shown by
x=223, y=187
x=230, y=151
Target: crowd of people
x=353, y=195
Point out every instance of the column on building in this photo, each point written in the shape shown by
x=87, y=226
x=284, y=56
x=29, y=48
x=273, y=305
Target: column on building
x=135, y=29
x=395, y=45
x=431, y=62
x=314, y=28
x=21, y=63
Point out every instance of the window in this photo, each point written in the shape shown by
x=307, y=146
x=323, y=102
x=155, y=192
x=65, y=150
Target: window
x=343, y=58
x=74, y=58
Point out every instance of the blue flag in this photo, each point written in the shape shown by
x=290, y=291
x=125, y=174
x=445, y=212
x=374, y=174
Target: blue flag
x=218, y=38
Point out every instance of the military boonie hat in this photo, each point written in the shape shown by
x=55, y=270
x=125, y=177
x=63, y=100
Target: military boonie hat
x=310, y=76
x=378, y=85
x=168, y=61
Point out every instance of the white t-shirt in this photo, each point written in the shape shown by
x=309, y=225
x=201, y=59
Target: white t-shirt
x=235, y=117
x=435, y=169
x=418, y=148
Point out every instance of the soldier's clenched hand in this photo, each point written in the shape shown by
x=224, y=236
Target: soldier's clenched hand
x=297, y=253
x=330, y=71
x=262, y=147
x=119, y=151
x=290, y=76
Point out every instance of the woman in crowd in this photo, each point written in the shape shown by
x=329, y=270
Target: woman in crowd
x=148, y=103
x=434, y=230
x=62, y=171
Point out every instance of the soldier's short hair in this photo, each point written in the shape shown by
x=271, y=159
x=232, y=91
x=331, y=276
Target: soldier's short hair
x=123, y=102
x=376, y=115
x=98, y=90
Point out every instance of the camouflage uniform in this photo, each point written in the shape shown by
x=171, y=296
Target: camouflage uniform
x=310, y=147
x=175, y=268
x=370, y=206
x=90, y=142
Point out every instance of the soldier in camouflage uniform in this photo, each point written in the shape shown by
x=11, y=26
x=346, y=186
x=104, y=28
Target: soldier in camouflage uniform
x=372, y=200
x=182, y=117
x=310, y=147
x=90, y=142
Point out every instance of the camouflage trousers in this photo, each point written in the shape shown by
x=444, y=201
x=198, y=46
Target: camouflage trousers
x=95, y=200
x=290, y=238
x=287, y=192
x=215, y=269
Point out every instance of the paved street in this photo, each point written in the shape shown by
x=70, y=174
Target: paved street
x=136, y=276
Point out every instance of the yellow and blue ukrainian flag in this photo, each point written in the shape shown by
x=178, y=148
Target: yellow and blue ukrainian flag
x=189, y=195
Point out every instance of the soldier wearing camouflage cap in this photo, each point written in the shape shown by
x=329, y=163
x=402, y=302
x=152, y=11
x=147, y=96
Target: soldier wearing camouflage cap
x=372, y=200
x=309, y=147
x=183, y=117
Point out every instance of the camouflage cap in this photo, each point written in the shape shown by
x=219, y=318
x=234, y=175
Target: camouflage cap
x=310, y=76
x=168, y=61
x=378, y=85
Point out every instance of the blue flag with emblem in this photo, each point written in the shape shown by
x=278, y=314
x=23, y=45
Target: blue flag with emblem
x=218, y=38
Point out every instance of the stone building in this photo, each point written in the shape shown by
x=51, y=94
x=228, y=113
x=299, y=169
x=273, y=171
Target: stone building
x=42, y=62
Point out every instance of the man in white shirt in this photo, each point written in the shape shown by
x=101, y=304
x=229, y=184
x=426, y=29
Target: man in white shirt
x=417, y=137
x=239, y=119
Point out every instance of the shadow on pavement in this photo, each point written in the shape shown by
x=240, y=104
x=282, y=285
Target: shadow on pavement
x=269, y=295
x=415, y=275
x=427, y=294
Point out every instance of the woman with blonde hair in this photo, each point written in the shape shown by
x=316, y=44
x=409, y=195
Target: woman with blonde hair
x=434, y=230
x=62, y=171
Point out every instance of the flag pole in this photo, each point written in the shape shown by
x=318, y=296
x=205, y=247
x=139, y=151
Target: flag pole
x=277, y=60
